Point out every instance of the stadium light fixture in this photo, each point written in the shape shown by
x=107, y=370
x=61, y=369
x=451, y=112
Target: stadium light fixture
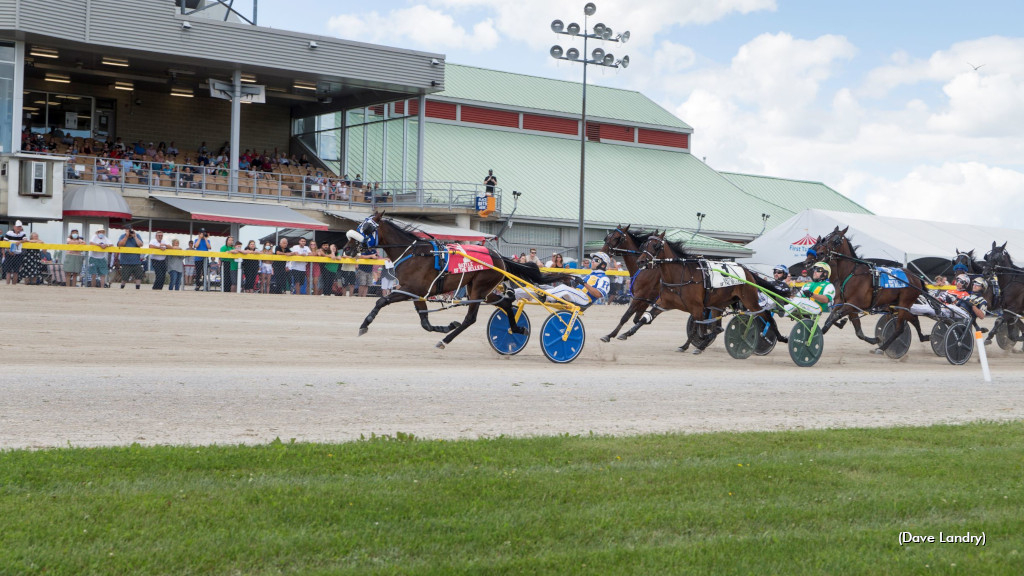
x=41, y=52
x=182, y=92
x=58, y=78
x=249, y=78
x=300, y=85
x=597, y=58
x=123, y=85
x=111, y=61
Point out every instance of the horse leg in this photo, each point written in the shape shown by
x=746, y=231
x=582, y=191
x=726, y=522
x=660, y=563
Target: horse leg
x=381, y=302
x=635, y=307
x=775, y=328
x=468, y=321
x=647, y=318
x=995, y=328
x=505, y=304
x=916, y=323
x=855, y=320
x=901, y=323
x=421, y=309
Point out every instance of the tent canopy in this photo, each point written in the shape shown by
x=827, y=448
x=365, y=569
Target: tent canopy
x=242, y=213
x=422, y=228
x=920, y=244
x=93, y=200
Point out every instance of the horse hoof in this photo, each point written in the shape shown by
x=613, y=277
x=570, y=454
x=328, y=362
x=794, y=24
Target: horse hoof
x=606, y=339
x=623, y=337
x=783, y=339
x=440, y=345
x=697, y=351
x=363, y=331
x=878, y=351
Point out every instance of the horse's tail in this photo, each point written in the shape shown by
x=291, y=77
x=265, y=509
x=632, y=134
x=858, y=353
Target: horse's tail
x=530, y=271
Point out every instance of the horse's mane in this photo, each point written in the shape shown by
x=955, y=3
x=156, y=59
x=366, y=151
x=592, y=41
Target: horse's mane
x=639, y=237
x=677, y=247
x=407, y=231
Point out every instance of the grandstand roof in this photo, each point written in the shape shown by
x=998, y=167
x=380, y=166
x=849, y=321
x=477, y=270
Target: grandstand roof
x=522, y=91
x=795, y=194
x=625, y=184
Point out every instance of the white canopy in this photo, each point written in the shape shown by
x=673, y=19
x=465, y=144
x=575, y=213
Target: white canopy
x=900, y=240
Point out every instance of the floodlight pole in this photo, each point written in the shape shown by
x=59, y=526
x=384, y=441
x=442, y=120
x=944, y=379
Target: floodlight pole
x=600, y=33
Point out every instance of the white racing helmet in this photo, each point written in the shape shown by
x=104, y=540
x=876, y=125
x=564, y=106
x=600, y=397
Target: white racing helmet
x=605, y=260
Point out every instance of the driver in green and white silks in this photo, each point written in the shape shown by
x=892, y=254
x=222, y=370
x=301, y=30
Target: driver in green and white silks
x=817, y=295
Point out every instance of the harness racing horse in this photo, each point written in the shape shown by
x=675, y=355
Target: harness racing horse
x=856, y=290
x=416, y=266
x=682, y=284
x=644, y=284
x=1010, y=295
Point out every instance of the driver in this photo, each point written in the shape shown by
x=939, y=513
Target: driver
x=593, y=286
x=817, y=295
x=966, y=297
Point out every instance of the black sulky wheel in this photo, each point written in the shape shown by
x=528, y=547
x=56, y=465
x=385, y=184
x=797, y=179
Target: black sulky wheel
x=959, y=343
x=765, y=340
x=741, y=336
x=702, y=333
x=804, y=349
x=901, y=345
x=882, y=321
x=501, y=337
x=938, y=338
x=1003, y=337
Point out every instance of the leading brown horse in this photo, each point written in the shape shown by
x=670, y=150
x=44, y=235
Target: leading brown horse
x=644, y=284
x=682, y=281
x=416, y=262
x=856, y=292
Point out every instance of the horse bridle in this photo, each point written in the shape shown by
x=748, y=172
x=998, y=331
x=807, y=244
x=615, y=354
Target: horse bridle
x=645, y=251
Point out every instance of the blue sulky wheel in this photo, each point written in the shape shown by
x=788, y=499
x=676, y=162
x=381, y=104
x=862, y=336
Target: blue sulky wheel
x=741, y=336
x=558, y=350
x=501, y=337
x=803, y=349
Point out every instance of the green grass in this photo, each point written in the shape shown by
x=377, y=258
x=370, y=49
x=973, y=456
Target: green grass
x=815, y=502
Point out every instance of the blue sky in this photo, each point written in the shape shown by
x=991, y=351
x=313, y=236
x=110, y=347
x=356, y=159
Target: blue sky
x=876, y=99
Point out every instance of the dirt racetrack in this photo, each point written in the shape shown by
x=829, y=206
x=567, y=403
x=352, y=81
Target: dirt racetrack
x=91, y=367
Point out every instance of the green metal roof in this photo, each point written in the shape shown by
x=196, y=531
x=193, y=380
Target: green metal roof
x=520, y=90
x=797, y=195
x=625, y=184
x=699, y=244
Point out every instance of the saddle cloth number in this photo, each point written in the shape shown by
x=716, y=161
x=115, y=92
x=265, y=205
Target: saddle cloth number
x=458, y=264
x=892, y=278
x=718, y=280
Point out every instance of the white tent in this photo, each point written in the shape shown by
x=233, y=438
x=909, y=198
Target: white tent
x=922, y=244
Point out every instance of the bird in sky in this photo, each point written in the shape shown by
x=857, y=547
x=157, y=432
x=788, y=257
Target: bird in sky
x=975, y=67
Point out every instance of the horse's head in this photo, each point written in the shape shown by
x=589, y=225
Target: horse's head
x=652, y=249
x=366, y=235
x=613, y=240
x=825, y=247
x=997, y=256
x=963, y=262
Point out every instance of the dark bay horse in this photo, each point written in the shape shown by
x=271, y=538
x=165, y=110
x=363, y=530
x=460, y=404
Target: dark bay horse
x=414, y=260
x=999, y=265
x=644, y=284
x=682, y=288
x=856, y=291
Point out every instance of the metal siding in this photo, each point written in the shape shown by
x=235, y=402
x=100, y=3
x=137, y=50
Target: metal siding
x=661, y=138
x=794, y=193
x=613, y=132
x=8, y=11
x=490, y=116
x=550, y=124
x=155, y=28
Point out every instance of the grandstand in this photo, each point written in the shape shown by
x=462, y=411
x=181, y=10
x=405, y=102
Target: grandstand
x=118, y=111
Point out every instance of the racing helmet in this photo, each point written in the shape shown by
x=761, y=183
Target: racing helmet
x=980, y=282
x=603, y=258
x=823, y=267
x=963, y=279
x=781, y=268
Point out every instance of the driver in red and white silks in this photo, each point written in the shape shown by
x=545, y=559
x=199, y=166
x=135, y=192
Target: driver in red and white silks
x=817, y=295
x=594, y=286
x=959, y=301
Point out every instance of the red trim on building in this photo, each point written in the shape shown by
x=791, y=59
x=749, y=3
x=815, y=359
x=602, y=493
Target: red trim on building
x=398, y=107
x=661, y=138
x=550, y=124
x=280, y=224
x=455, y=237
x=414, y=107
x=616, y=132
x=442, y=110
x=98, y=214
x=490, y=116
x=593, y=131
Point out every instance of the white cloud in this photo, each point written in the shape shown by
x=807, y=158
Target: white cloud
x=420, y=25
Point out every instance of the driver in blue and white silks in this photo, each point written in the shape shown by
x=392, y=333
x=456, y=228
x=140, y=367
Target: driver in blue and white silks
x=593, y=286
x=817, y=295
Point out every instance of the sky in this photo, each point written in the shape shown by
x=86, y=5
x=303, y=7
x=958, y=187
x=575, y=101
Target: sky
x=910, y=108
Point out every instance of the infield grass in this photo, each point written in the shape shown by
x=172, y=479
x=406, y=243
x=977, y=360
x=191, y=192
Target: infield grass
x=813, y=502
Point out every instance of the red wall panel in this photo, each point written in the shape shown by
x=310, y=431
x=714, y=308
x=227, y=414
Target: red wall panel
x=490, y=116
x=442, y=110
x=660, y=138
x=613, y=132
x=414, y=107
x=550, y=124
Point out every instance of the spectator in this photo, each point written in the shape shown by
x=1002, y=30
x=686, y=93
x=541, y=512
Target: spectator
x=32, y=267
x=13, y=255
x=388, y=278
x=73, y=259
x=151, y=151
x=202, y=244
x=250, y=268
x=281, y=267
x=347, y=274
x=266, y=270
x=131, y=264
x=99, y=265
x=158, y=261
x=532, y=257
x=296, y=268
x=490, y=182
x=172, y=149
x=364, y=272
x=175, y=267
x=555, y=262
x=328, y=272
x=228, y=267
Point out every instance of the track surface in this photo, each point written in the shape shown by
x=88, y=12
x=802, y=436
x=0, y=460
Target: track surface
x=90, y=367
